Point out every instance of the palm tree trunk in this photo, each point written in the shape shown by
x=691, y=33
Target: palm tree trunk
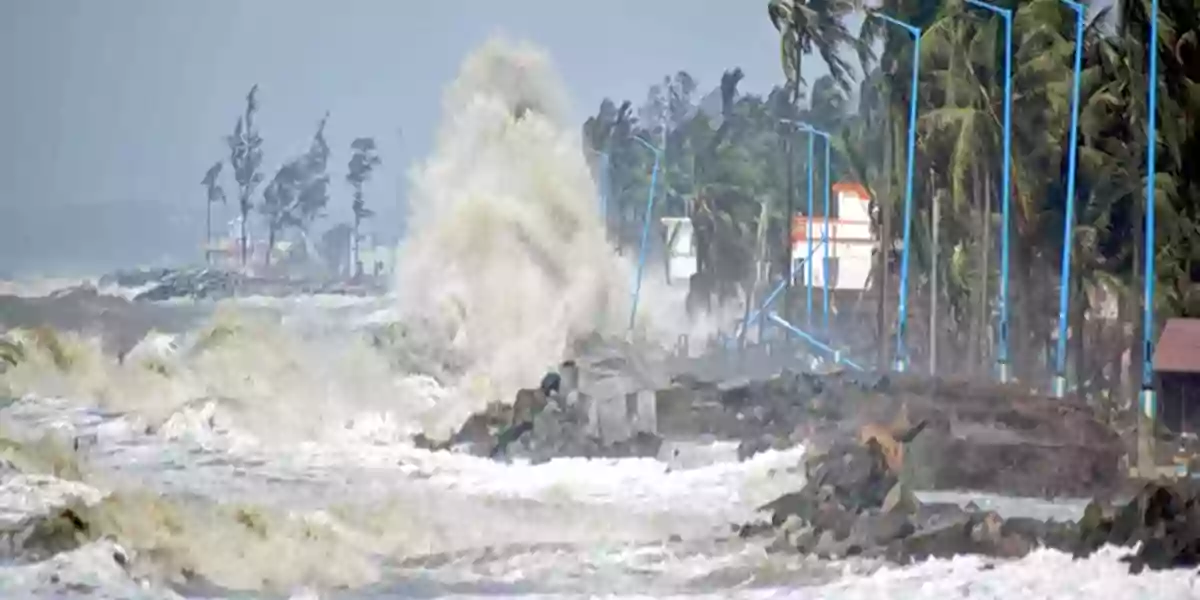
x=982, y=313
x=208, y=234
x=759, y=255
x=354, y=247
x=270, y=244
x=243, y=227
x=791, y=190
x=973, y=328
x=789, y=156
x=1134, y=376
x=884, y=202
x=1079, y=339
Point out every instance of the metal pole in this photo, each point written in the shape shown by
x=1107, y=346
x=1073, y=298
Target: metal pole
x=901, y=360
x=1148, y=399
x=1002, y=361
x=637, y=284
x=825, y=242
x=754, y=316
x=836, y=354
x=1064, y=286
x=825, y=230
x=808, y=268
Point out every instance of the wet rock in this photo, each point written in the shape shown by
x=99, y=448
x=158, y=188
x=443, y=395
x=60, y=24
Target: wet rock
x=542, y=424
x=900, y=500
x=1002, y=438
x=842, y=512
x=198, y=284
x=749, y=447
x=1164, y=519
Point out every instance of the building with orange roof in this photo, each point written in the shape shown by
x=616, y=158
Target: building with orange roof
x=851, y=240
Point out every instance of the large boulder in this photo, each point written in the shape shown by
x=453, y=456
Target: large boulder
x=1162, y=520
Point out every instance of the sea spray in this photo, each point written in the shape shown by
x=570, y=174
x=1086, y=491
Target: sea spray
x=506, y=255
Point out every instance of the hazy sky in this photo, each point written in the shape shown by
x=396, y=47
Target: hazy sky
x=112, y=110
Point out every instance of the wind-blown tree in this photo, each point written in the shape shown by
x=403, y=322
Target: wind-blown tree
x=314, y=194
x=245, y=156
x=298, y=193
x=280, y=205
x=363, y=161
x=215, y=194
x=610, y=132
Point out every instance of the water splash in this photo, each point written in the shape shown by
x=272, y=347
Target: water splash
x=507, y=257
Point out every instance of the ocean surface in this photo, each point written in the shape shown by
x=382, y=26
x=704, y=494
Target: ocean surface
x=305, y=499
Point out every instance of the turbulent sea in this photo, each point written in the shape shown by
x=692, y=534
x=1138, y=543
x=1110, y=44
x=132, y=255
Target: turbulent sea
x=260, y=447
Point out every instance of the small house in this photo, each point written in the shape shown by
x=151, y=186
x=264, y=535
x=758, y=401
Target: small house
x=1177, y=369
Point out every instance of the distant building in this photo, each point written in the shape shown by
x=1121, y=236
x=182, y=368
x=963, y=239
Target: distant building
x=377, y=256
x=850, y=239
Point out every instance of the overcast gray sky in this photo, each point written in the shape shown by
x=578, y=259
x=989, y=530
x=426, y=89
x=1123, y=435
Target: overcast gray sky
x=112, y=110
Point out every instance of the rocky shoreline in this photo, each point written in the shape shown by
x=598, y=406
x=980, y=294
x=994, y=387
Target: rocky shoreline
x=856, y=504
x=986, y=438
x=872, y=442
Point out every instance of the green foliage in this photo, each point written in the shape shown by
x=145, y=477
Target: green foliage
x=726, y=156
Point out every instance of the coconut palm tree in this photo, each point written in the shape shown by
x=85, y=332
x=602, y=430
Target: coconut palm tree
x=215, y=193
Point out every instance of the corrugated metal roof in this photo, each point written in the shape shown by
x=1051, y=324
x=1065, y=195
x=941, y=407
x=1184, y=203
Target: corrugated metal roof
x=1178, y=348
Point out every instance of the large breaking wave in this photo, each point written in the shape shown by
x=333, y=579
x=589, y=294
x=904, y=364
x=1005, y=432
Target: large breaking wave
x=507, y=255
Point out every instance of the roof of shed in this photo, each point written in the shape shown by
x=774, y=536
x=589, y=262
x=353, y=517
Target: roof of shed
x=1178, y=348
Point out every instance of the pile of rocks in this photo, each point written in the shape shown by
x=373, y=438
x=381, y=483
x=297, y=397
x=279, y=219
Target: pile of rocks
x=198, y=284
x=215, y=284
x=1001, y=438
x=553, y=420
x=855, y=504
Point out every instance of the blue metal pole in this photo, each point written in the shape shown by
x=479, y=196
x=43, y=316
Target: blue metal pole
x=901, y=360
x=1149, y=401
x=757, y=313
x=1002, y=361
x=825, y=230
x=637, y=284
x=808, y=268
x=1060, y=364
x=837, y=354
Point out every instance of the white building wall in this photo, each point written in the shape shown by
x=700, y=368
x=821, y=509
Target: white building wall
x=850, y=240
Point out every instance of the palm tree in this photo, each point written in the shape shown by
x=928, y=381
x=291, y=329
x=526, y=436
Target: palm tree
x=245, y=156
x=215, y=193
x=363, y=161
